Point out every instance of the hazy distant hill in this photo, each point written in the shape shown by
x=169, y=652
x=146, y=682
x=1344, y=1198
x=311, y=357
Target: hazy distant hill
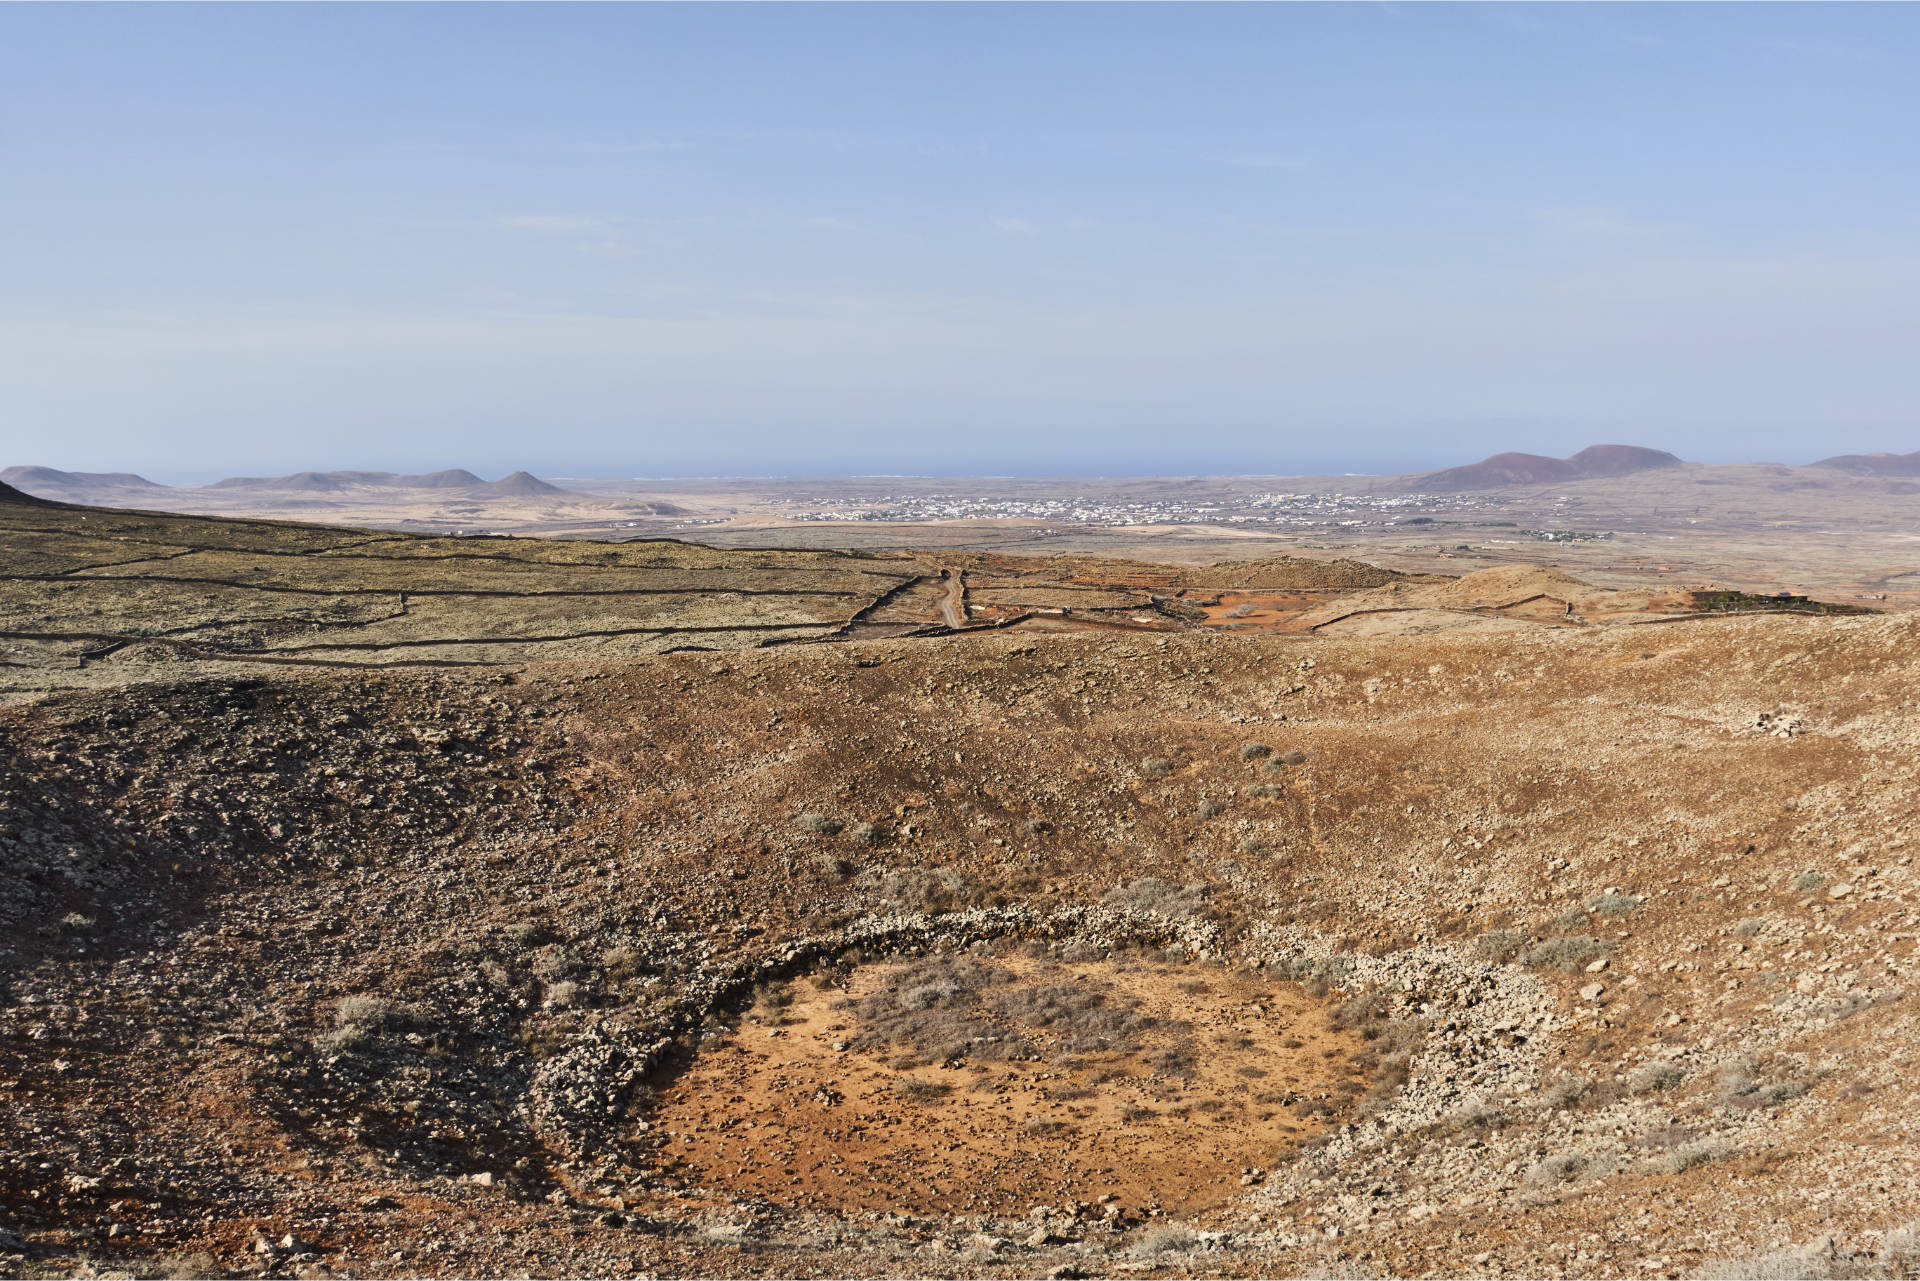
x=1875, y=464
x=519, y=485
x=301, y=493
x=50, y=482
x=1537, y=469
x=334, y=481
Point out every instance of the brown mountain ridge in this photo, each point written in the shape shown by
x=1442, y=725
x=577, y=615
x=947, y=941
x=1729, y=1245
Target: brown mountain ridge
x=1593, y=462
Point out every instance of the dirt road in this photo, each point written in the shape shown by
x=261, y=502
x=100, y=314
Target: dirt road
x=953, y=606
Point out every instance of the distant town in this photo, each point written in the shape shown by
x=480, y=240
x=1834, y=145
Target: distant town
x=1274, y=509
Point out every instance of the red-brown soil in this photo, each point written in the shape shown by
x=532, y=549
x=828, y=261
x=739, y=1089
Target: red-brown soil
x=794, y=1110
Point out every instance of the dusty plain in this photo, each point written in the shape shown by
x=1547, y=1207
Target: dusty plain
x=1762, y=528
x=387, y=903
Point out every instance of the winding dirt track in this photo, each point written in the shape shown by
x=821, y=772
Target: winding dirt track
x=953, y=606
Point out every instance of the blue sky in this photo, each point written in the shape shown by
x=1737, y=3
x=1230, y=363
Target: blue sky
x=757, y=239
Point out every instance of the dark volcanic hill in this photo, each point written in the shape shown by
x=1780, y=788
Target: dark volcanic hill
x=8, y=494
x=1868, y=464
x=1593, y=462
x=519, y=485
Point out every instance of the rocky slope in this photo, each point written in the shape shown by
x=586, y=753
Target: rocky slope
x=382, y=972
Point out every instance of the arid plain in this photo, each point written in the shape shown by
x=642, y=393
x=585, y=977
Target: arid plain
x=869, y=882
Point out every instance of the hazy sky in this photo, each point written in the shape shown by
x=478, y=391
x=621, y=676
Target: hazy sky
x=653, y=240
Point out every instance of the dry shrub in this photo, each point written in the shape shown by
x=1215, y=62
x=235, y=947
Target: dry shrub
x=1496, y=947
x=1475, y=1117
x=1757, y=1083
x=1081, y=1019
x=1151, y=894
x=1652, y=1077
x=1897, y=1254
x=621, y=962
x=1613, y=904
x=1156, y=767
x=1687, y=1155
x=818, y=825
x=1166, y=1240
x=1564, y=1167
x=1255, y=751
x=920, y=889
x=1565, y=1091
x=356, y=1021
x=1391, y=1043
x=914, y=1089
x=1568, y=953
x=770, y=1002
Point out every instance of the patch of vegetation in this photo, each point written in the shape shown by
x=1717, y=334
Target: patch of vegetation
x=1688, y=1155
x=1156, y=767
x=818, y=825
x=1474, y=1117
x=957, y=1007
x=1808, y=881
x=1496, y=947
x=1566, y=1091
x=924, y=889
x=1082, y=1019
x=1613, y=904
x=914, y=1089
x=1391, y=1043
x=1151, y=894
x=1650, y=1078
x=1565, y=1167
x=1255, y=751
x=1569, y=953
x=1165, y=1240
x=1752, y=1083
x=1733, y=602
x=356, y=1021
